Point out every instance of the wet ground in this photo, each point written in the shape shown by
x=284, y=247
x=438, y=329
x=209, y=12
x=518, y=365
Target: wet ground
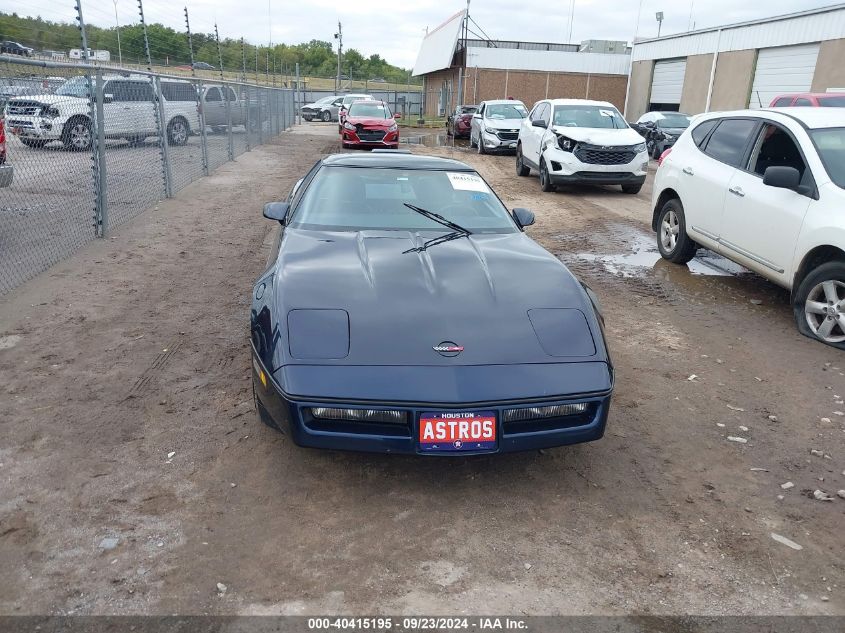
x=137, y=475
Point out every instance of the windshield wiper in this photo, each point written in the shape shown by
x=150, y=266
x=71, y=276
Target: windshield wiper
x=437, y=240
x=436, y=217
x=457, y=230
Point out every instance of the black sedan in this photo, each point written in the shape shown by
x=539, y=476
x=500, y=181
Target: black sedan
x=405, y=310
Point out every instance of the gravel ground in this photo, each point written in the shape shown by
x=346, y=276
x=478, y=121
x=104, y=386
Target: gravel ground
x=136, y=475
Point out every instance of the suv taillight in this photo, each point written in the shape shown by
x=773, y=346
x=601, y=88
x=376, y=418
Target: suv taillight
x=663, y=156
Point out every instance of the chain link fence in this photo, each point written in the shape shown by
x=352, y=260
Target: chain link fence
x=93, y=147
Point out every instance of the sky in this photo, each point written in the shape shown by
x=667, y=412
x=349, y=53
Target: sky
x=394, y=28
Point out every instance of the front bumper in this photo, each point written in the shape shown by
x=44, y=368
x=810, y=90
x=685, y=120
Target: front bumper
x=566, y=169
x=390, y=139
x=34, y=127
x=7, y=175
x=293, y=415
x=502, y=141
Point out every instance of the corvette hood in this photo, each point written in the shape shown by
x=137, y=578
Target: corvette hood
x=599, y=136
x=356, y=299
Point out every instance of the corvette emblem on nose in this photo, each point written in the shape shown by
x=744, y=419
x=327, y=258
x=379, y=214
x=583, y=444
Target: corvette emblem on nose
x=448, y=348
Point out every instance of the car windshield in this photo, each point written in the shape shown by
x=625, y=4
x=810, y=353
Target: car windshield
x=74, y=87
x=369, y=110
x=832, y=102
x=588, y=116
x=468, y=109
x=674, y=121
x=325, y=100
x=831, y=145
x=357, y=198
x=505, y=111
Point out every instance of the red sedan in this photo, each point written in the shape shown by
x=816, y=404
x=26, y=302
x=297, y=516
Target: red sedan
x=460, y=121
x=370, y=124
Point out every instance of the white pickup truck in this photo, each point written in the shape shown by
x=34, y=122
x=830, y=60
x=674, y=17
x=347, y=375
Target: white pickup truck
x=128, y=112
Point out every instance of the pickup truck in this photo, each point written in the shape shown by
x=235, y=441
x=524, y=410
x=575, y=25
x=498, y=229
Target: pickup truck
x=214, y=107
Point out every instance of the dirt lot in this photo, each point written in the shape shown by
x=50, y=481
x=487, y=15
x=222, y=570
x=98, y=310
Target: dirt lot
x=126, y=414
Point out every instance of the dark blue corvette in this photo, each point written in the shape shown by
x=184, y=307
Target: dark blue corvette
x=404, y=310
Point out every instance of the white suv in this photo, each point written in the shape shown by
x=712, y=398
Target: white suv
x=495, y=125
x=766, y=189
x=576, y=141
x=128, y=112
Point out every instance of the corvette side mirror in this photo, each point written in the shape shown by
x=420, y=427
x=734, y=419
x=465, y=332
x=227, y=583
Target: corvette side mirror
x=523, y=217
x=276, y=211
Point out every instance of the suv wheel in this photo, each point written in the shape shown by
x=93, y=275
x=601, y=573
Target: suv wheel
x=672, y=240
x=521, y=169
x=76, y=135
x=326, y=116
x=545, y=179
x=819, y=304
x=177, y=132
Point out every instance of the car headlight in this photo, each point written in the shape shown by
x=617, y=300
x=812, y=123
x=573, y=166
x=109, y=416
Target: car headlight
x=348, y=126
x=566, y=144
x=639, y=147
x=490, y=130
x=50, y=112
x=393, y=127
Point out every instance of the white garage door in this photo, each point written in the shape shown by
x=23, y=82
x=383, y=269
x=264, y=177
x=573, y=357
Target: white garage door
x=782, y=69
x=667, y=84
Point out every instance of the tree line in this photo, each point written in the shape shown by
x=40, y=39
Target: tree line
x=169, y=47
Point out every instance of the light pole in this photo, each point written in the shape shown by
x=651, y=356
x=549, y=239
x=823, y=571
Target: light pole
x=659, y=17
x=339, y=37
x=117, y=24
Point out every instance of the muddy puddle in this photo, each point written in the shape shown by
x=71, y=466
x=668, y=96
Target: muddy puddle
x=435, y=140
x=643, y=256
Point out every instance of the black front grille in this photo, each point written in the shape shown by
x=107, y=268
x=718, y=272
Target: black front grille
x=508, y=136
x=596, y=155
x=24, y=108
x=370, y=135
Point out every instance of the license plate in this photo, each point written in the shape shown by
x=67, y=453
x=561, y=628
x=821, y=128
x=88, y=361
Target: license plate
x=452, y=431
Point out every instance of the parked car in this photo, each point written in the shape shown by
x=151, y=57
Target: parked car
x=370, y=124
x=576, y=141
x=459, y=122
x=661, y=129
x=346, y=102
x=15, y=48
x=214, y=107
x=495, y=125
x=324, y=109
x=128, y=109
x=810, y=99
x=404, y=310
x=7, y=172
x=766, y=189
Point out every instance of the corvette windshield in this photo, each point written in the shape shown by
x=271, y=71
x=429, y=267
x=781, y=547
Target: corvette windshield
x=831, y=145
x=357, y=198
x=588, y=116
x=369, y=110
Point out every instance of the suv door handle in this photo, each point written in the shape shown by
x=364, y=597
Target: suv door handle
x=688, y=171
x=737, y=191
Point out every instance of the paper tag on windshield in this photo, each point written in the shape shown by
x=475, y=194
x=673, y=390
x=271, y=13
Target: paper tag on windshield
x=607, y=113
x=467, y=182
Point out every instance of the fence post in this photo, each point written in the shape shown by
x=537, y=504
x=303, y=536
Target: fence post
x=101, y=218
x=260, y=121
x=247, y=121
x=162, y=134
x=225, y=89
x=203, y=136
